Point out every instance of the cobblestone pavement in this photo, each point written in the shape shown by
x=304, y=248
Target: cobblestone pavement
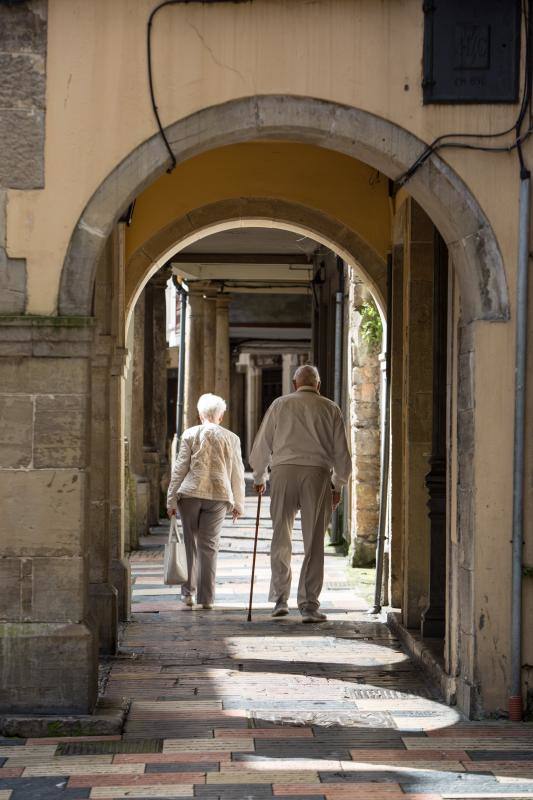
x=222, y=708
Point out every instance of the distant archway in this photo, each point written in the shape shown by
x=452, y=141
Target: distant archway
x=254, y=213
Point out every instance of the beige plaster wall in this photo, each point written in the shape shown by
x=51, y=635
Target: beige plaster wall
x=362, y=53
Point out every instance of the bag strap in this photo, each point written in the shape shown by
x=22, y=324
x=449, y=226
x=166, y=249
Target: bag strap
x=175, y=534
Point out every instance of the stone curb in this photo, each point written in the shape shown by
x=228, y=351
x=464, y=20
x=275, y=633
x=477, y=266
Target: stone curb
x=107, y=720
x=422, y=655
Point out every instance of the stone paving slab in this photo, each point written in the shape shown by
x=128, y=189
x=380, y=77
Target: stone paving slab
x=223, y=709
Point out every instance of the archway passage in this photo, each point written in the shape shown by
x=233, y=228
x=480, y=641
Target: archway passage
x=106, y=268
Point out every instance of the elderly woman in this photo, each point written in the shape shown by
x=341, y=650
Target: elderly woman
x=207, y=481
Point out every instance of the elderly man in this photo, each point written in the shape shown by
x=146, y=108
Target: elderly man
x=303, y=439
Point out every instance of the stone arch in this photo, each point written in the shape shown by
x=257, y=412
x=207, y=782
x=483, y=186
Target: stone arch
x=376, y=141
x=254, y=212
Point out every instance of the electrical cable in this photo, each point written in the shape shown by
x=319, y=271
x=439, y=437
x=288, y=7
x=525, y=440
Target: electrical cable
x=150, y=71
x=440, y=143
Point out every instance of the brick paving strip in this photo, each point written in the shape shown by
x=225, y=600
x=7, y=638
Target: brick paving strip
x=226, y=710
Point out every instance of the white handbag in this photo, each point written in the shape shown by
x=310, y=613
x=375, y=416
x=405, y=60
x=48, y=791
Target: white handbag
x=175, y=569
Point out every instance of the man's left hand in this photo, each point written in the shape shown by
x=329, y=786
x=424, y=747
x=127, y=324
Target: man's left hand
x=335, y=499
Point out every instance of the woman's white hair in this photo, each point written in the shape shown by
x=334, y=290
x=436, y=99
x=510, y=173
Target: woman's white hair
x=210, y=406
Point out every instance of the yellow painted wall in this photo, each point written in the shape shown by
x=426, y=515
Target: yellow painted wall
x=342, y=187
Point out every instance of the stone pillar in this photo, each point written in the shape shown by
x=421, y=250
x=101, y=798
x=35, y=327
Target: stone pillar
x=396, y=460
x=210, y=335
x=253, y=402
x=120, y=568
x=48, y=647
x=102, y=593
x=417, y=408
x=193, y=355
x=365, y=433
x=289, y=366
x=155, y=392
x=222, y=357
x=140, y=487
x=433, y=618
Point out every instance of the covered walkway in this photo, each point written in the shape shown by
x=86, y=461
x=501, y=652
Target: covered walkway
x=224, y=709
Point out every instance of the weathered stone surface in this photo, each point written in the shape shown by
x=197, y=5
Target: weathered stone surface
x=22, y=99
x=60, y=431
x=21, y=149
x=23, y=80
x=43, y=375
x=58, y=592
x=12, y=284
x=16, y=425
x=41, y=512
x=10, y=573
x=47, y=668
x=23, y=26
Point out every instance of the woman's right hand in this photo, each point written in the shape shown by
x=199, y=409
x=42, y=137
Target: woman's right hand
x=171, y=512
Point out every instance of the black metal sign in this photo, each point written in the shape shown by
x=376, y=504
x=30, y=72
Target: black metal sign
x=471, y=51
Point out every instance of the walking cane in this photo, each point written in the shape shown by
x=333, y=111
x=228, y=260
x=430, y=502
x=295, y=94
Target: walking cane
x=253, y=560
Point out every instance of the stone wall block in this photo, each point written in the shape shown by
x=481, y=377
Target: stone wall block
x=41, y=376
x=465, y=390
x=16, y=428
x=60, y=431
x=10, y=579
x=23, y=80
x=21, y=148
x=366, y=495
x=465, y=447
x=42, y=512
x=47, y=668
x=58, y=590
x=23, y=26
x=367, y=442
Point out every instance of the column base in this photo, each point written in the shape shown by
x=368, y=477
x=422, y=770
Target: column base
x=48, y=668
x=121, y=579
x=432, y=624
x=103, y=603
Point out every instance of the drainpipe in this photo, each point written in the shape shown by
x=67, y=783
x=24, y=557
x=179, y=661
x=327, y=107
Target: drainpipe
x=337, y=378
x=385, y=449
x=515, y=699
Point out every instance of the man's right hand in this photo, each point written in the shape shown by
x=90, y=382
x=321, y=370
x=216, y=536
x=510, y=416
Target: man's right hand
x=260, y=488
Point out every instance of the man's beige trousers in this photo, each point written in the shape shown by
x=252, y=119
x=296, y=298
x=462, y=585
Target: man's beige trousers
x=294, y=487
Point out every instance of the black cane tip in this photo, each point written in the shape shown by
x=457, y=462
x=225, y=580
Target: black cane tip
x=249, y=619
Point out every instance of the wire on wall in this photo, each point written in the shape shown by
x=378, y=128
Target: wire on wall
x=155, y=109
x=441, y=141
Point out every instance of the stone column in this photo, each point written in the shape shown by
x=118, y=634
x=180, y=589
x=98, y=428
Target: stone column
x=433, y=618
x=102, y=593
x=139, y=490
x=120, y=568
x=48, y=647
x=193, y=355
x=365, y=418
x=210, y=336
x=396, y=460
x=289, y=366
x=253, y=402
x=222, y=356
x=417, y=408
x=155, y=392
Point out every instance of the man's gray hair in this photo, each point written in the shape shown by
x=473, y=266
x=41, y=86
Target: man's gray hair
x=307, y=375
x=210, y=406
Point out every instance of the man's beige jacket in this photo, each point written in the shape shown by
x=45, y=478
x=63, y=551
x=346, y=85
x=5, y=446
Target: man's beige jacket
x=305, y=429
x=208, y=465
